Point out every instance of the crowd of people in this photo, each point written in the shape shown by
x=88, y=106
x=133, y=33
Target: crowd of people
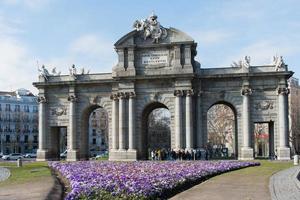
x=170, y=154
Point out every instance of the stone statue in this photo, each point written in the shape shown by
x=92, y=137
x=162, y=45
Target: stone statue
x=151, y=28
x=278, y=62
x=73, y=72
x=44, y=72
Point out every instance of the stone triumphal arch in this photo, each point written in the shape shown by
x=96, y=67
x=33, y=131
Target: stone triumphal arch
x=156, y=68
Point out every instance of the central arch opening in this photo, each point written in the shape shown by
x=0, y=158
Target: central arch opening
x=156, y=129
x=221, y=131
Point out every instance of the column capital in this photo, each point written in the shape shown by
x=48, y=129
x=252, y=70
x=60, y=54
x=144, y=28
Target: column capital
x=114, y=97
x=72, y=98
x=42, y=99
x=283, y=91
x=131, y=94
x=246, y=91
x=178, y=93
x=189, y=93
x=121, y=95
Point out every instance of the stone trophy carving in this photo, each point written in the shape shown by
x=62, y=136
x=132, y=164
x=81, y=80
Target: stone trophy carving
x=82, y=71
x=59, y=111
x=264, y=105
x=151, y=28
x=55, y=73
x=278, y=63
x=242, y=63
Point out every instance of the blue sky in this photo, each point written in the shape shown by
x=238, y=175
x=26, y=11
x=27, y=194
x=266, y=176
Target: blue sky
x=58, y=33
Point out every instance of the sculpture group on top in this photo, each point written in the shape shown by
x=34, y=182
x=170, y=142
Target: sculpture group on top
x=245, y=63
x=277, y=61
x=43, y=72
x=150, y=28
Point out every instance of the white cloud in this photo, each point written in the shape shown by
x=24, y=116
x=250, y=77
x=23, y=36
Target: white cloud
x=16, y=63
x=91, y=51
x=211, y=36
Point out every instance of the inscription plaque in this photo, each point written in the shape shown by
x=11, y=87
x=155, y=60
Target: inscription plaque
x=155, y=58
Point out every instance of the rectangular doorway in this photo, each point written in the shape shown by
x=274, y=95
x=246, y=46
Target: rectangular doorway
x=58, y=142
x=264, y=140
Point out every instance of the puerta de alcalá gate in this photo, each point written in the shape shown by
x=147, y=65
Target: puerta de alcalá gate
x=157, y=69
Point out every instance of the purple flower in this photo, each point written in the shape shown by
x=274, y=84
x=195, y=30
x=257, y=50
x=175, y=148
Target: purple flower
x=143, y=179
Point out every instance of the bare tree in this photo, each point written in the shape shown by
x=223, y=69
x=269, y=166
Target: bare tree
x=294, y=115
x=220, y=122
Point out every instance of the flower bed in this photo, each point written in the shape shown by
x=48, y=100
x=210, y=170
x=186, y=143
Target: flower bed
x=137, y=180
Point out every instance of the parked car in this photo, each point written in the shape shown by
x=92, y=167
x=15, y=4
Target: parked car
x=1, y=155
x=102, y=154
x=30, y=155
x=12, y=156
x=63, y=154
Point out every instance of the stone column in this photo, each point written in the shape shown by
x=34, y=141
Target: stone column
x=131, y=127
x=72, y=151
x=122, y=121
x=247, y=151
x=42, y=151
x=283, y=151
x=189, y=120
x=115, y=122
x=199, y=122
x=178, y=119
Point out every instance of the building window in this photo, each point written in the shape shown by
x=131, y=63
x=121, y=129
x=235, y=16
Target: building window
x=35, y=109
x=35, y=139
x=7, y=139
x=94, y=132
x=26, y=108
x=94, y=140
x=0, y=108
x=26, y=139
x=17, y=108
x=7, y=107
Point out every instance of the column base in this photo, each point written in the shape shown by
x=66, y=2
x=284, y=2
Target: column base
x=72, y=155
x=283, y=153
x=123, y=155
x=246, y=153
x=41, y=155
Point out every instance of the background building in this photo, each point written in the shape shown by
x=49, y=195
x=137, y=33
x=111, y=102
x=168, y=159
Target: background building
x=18, y=122
x=294, y=110
x=98, y=132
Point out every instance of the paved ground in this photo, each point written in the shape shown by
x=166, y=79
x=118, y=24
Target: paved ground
x=284, y=185
x=45, y=188
x=4, y=173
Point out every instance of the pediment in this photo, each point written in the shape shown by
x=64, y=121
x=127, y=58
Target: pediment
x=136, y=38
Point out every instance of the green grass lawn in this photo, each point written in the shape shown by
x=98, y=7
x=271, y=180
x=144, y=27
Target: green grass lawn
x=30, y=171
x=266, y=169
